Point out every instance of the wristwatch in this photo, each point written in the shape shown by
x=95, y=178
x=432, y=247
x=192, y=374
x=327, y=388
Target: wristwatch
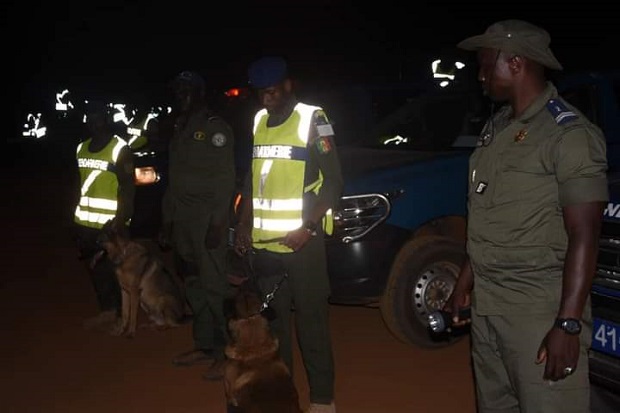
x=569, y=325
x=310, y=227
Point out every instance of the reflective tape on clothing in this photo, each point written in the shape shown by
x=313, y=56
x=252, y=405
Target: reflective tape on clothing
x=277, y=204
x=99, y=203
x=93, y=217
x=279, y=225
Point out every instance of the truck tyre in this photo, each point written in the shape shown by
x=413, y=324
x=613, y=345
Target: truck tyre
x=421, y=279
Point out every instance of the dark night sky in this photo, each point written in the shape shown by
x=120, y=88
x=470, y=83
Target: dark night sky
x=138, y=46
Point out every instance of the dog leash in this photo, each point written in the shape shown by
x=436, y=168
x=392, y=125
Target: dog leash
x=270, y=295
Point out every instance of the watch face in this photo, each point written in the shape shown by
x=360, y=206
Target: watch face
x=571, y=326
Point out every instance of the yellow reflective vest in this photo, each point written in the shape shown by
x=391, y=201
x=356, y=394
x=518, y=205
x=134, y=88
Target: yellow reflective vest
x=137, y=131
x=278, y=167
x=99, y=183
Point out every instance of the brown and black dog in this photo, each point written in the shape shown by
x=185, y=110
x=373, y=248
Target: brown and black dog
x=256, y=379
x=144, y=280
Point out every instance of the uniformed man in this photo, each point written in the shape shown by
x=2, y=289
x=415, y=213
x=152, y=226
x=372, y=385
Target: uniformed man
x=196, y=210
x=106, y=191
x=537, y=189
x=293, y=183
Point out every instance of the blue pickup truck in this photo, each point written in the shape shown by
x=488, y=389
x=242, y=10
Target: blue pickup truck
x=400, y=227
x=605, y=352
x=598, y=95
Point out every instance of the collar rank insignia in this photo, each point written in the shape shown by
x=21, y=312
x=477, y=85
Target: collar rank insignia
x=521, y=135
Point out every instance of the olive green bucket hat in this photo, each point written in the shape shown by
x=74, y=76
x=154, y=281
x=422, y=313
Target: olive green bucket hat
x=516, y=36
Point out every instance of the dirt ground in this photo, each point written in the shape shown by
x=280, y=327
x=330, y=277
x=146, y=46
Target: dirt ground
x=51, y=364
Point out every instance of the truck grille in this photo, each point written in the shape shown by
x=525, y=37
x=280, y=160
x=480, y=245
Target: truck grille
x=608, y=264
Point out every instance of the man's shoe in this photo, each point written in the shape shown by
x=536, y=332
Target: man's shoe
x=193, y=357
x=322, y=408
x=215, y=371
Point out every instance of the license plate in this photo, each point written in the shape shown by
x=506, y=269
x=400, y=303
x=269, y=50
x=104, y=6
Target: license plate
x=606, y=337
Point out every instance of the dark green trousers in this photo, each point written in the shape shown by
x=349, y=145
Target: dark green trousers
x=508, y=380
x=206, y=284
x=306, y=290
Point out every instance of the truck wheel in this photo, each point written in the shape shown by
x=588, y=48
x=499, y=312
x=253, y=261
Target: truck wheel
x=421, y=279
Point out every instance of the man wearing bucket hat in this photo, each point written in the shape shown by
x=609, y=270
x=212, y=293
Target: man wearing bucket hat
x=537, y=189
x=293, y=183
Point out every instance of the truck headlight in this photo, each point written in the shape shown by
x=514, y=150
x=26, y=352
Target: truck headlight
x=357, y=215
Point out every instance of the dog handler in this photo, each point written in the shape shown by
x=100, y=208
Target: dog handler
x=106, y=174
x=294, y=181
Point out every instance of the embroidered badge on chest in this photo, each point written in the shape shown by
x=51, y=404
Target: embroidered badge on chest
x=218, y=139
x=199, y=136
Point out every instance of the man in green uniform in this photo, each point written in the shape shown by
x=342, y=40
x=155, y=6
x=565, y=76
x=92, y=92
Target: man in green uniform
x=294, y=181
x=196, y=211
x=537, y=189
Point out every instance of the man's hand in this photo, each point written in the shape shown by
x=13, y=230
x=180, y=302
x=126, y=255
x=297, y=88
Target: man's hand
x=243, y=240
x=296, y=239
x=458, y=301
x=461, y=295
x=560, y=351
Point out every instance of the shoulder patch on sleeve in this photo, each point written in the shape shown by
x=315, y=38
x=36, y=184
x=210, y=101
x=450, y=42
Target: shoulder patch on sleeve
x=323, y=145
x=560, y=112
x=323, y=127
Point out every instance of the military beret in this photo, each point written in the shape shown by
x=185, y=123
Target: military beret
x=267, y=71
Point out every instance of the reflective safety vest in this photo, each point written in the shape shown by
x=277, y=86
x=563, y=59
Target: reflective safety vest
x=137, y=137
x=278, y=167
x=99, y=191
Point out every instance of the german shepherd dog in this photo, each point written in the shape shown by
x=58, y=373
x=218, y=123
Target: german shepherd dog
x=256, y=379
x=144, y=282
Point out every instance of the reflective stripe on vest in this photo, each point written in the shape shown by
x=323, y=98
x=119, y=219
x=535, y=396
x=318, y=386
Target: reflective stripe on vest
x=278, y=167
x=138, y=138
x=99, y=191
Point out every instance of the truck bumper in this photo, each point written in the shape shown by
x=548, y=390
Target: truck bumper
x=359, y=270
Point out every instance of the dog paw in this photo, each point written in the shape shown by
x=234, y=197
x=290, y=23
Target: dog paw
x=117, y=329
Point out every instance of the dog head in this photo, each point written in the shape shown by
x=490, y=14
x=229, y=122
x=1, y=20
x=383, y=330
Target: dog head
x=251, y=337
x=112, y=239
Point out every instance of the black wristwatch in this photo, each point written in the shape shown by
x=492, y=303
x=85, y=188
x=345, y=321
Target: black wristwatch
x=310, y=227
x=568, y=325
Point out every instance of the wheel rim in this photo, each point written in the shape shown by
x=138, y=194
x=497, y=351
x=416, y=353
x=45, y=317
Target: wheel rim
x=433, y=289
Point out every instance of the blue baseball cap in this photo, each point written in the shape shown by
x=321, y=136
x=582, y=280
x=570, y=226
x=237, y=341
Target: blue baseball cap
x=267, y=71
